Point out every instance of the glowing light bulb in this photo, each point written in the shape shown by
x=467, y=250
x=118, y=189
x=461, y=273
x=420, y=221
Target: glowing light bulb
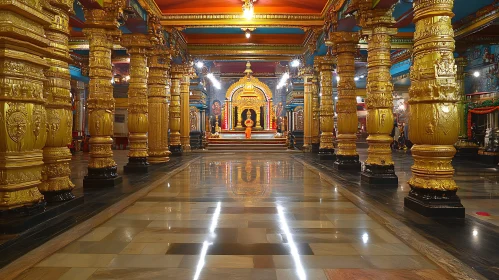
x=476, y=74
x=337, y=78
x=295, y=63
x=248, y=34
x=199, y=64
x=356, y=78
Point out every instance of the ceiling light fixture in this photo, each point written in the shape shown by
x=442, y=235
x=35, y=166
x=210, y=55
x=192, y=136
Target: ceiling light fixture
x=199, y=64
x=476, y=74
x=247, y=31
x=214, y=81
x=283, y=80
x=248, y=9
x=295, y=63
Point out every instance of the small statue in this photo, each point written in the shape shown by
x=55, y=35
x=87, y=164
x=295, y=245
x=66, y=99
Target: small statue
x=249, y=124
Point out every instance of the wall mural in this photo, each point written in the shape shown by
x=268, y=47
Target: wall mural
x=483, y=59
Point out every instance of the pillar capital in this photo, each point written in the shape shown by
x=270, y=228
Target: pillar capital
x=136, y=43
x=108, y=17
x=344, y=41
x=307, y=73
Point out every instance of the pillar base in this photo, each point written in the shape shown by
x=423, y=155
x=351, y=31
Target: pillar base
x=102, y=177
x=326, y=154
x=136, y=165
x=379, y=175
x=176, y=150
x=431, y=203
x=347, y=163
x=60, y=196
x=23, y=211
x=315, y=148
x=18, y=220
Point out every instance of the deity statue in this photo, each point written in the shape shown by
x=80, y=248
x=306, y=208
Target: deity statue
x=249, y=124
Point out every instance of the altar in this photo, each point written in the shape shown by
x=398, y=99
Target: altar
x=249, y=97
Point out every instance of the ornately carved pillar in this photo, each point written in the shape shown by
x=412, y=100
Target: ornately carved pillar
x=345, y=44
x=185, y=128
x=138, y=120
x=307, y=75
x=379, y=168
x=79, y=101
x=177, y=73
x=22, y=105
x=326, y=148
x=56, y=185
x=433, y=120
x=159, y=105
x=316, y=112
x=101, y=28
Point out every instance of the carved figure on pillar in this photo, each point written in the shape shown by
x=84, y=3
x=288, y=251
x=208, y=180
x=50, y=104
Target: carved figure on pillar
x=433, y=119
x=159, y=105
x=138, y=119
x=101, y=29
x=326, y=148
x=379, y=166
x=56, y=185
x=22, y=105
x=177, y=73
x=344, y=44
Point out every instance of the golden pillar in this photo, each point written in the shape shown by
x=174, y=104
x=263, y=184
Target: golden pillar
x=185, y=128
x=379, y=167
x=345, y=44
x=22, y=105
x=326, y=148
x=316, y=112
x=177, y=73
x=434, y=117
x=78, y=88
x=101, y=29
x=307, y=75
x=56, y=185
x=137, y=46
x=159, y=105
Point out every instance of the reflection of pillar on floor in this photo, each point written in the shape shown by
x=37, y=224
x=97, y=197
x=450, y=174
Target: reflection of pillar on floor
x=379, y=167
x=138, y=119
x=56, y=185
x=177, y=72
x=346, y=154
x=101, y=31
x=158, y=103
x=326, y=149
x=22, y=115
x=433, y=118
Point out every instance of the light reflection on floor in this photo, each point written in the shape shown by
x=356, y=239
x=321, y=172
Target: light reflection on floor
x=239, y=216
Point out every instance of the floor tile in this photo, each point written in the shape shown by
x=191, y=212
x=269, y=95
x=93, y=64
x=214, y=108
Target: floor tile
x=77, y=260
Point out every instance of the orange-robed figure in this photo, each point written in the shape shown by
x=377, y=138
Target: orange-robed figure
x=249, y=124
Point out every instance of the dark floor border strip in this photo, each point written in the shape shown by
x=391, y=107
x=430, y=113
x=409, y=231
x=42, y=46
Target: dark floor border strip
x=442, y=258
x=36, y=255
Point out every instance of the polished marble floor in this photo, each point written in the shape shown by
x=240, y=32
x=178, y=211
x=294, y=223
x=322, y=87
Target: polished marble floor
x=239, y=216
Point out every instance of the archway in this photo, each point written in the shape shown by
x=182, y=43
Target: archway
x=251, y=94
